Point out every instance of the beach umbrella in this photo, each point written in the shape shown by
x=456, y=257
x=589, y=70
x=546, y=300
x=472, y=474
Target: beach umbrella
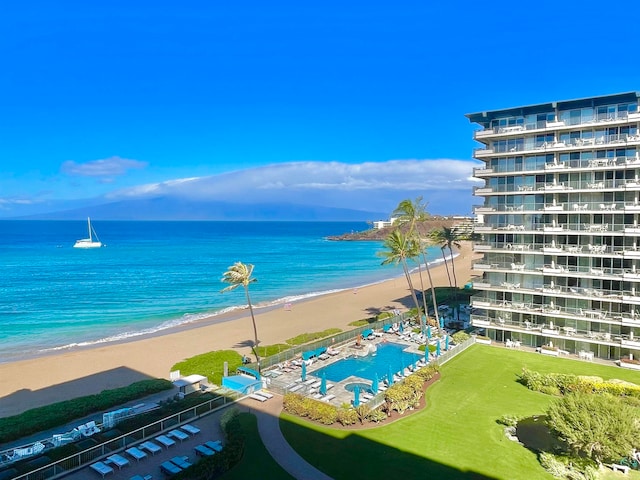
x=323, y=384
x=304, y=371
x=374, y=385
x=429, y=332
x=446, y=343
x=401, y=327
x=426, y=353
x=441, y=322
x=356, y=396
x=438, y=348
x=390, y=376
x=424, y=322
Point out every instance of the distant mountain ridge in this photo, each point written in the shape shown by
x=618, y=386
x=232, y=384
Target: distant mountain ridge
x=171, y=208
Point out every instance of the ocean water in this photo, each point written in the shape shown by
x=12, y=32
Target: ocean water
x=152, y=276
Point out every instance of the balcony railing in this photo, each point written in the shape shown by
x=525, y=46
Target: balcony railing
x=595, y=120
x=551, y=329
x=615, y=140
x=569, y=228
x=597, y=271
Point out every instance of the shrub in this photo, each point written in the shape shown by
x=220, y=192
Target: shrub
x=363, y=412
x=309, y=337
x=307, y=407
x=428, y=372
x=508, y=420
x=460, y=336
x=347, y=416
x=377, y=415
x=54, y=415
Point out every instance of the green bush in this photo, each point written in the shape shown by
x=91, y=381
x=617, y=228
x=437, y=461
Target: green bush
x=301, y=406
x=508, y=420
x=377, y=416
x=428, y=372
x=57, y=414
x=347, y=416
x=460, y=337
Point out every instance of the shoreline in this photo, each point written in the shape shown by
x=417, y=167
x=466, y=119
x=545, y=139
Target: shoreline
x=206, y=319
x=60, y=375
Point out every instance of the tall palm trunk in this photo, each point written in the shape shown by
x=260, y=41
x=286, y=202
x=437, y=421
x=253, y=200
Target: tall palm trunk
x=446, y=266
x=424, y=296
x=433, y=291
x=405, y=267
x=255, y=329
x=453, y=268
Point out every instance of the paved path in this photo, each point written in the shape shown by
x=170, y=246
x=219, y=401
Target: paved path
x=268, y=415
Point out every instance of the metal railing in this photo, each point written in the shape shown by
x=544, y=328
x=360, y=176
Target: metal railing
x=81, y=459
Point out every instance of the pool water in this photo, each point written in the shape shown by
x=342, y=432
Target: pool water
x=388, y=356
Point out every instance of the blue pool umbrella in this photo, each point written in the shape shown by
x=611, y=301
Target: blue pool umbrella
x=438, y=348
x=441, y=322
x=390, y=376
x=356, y=396
x=424, y=322
x=304, y=371
x=446, y=343
x=429, y=331
x=323, y=384
x=374, y=385
x=401, y=327
x=426, y=353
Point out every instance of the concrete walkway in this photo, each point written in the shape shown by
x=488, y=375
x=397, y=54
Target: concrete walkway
x=268, y=415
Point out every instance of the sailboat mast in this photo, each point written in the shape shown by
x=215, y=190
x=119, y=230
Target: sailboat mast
x=89, y=227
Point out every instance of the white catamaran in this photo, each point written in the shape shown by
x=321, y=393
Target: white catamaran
x=92, y=242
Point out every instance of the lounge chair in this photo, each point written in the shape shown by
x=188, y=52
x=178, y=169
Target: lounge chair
x=165, y=441
x=181, y=462
x=170, y=468
x=151, y=447
x=190, y=429
x=136, y=453
x=102, y=468
x=140, y=477
x=316, y=384
x=257, y=397
x=328, y=398
x=118, y=460
x=88, y=429
x=264, y=394
x=296, y=388
x=204, y=451
x=215, y=445
x=178, y=435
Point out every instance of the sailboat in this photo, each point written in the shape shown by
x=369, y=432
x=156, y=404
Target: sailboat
x=92, y=242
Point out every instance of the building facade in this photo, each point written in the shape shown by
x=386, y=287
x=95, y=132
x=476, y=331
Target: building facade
x=559, y=225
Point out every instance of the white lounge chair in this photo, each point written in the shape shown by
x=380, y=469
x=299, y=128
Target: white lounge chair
x=257, y=397
x=190, y=429
x=165, y=441
x=136, y=453
x=102, y=468
x=265, y=394
x=151, y=447
x=118, y=460
x=178, y=435
x=328, y=398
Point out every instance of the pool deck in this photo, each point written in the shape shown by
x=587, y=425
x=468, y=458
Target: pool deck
x=289, y=379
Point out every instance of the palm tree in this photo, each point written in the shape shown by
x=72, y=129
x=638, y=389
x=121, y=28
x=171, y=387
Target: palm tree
x=240, y=274
x=400, y=248
x=447, y=238
x=408, y=212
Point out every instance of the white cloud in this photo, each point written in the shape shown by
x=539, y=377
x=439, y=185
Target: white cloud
x=106, y=168
x=370, y=185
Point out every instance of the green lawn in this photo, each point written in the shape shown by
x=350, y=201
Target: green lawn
x=456, y=435
x=256, y=461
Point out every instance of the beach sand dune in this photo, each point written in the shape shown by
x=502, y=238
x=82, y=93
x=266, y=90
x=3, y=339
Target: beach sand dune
x=40, y=381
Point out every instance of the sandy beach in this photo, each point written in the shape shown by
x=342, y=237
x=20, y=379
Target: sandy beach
x=31, y=383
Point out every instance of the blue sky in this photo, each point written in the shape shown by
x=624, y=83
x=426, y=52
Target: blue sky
x=299, y=101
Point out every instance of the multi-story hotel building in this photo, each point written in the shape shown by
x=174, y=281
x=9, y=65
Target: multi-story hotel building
x=560, y=225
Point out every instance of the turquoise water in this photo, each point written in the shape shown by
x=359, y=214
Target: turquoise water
x=153, y=276
x=388, y=355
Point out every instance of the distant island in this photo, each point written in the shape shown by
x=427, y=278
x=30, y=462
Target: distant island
x=379, y=234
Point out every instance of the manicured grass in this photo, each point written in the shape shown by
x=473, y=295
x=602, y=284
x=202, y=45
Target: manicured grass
x=256, y=461
x=456, y=435
x=210, y=364
x=310, y=337
x=274, y=349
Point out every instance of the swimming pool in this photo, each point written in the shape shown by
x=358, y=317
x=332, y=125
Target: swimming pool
x=388, y=355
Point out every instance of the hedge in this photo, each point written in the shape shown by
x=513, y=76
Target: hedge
x=57, y=414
